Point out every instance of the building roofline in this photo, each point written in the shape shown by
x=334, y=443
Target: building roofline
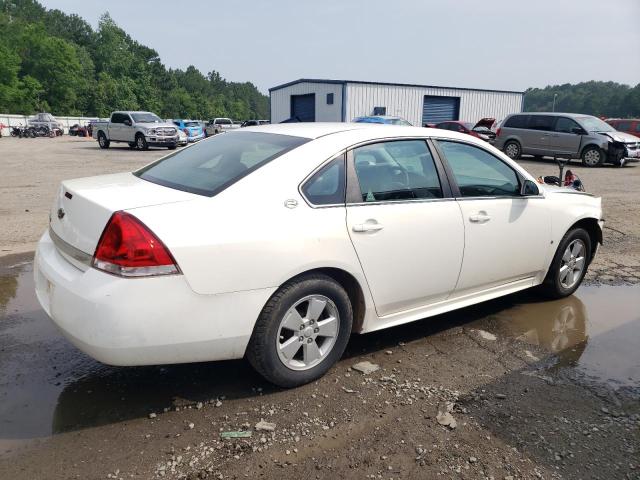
x=344, y=82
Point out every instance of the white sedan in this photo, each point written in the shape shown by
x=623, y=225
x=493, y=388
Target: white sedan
x=276, y=243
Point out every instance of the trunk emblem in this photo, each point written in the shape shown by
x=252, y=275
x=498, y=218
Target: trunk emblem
x=61, y=213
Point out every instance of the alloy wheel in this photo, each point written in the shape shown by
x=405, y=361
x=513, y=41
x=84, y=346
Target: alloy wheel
x=573, y=264
x=308, y=332
x=592, y=157
x=512, y=150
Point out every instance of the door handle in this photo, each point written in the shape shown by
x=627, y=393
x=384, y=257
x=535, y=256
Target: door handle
x=479, y=218
x=367, y=227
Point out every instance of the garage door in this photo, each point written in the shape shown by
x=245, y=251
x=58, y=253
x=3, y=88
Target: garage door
x=440, y=109
x=303, y=107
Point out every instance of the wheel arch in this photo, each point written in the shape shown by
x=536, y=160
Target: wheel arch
x=591, y=225
x=591, y=145
x=351, y=285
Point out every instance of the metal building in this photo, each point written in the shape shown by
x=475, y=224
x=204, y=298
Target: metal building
x=313, y=100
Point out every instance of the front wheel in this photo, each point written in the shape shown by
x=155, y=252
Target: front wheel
x=172, y=147
x=141, y=142
x=302, y=331
x=569, y=264
x=592, y=157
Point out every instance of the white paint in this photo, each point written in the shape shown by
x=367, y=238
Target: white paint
x=236, y=248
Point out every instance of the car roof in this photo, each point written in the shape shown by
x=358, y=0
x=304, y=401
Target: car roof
x=554, y=114
x=309, y=129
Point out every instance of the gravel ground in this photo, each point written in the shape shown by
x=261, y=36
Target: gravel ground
x=453, y=397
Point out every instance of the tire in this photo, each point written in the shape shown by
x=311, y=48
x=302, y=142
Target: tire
x=172, y=147
x=556, y=284
x=141, y=142
x=132, y=145
x=103, y=141
x=592, y=156
x=512, y=149
x=300, y=364
x=538, y=157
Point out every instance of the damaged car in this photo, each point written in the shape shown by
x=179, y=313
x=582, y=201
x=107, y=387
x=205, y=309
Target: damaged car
x=569, y=134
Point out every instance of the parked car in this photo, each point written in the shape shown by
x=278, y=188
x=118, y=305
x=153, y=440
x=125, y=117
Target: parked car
x=480, y=129
x=254, y=123
x=257, y=243
x=387, y=120
x=191, y=128
x=218, y=125
x=182, y=138
x=626, y=125
x=139, y=129
x=570, y=134
x=46, y=120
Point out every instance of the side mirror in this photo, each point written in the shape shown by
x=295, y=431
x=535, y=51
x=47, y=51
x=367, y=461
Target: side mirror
x=577, y=131
x=128, y=123
x=529, y=189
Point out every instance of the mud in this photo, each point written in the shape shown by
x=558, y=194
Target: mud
x=536, y=395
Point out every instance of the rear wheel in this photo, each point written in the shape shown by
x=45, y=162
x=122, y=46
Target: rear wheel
x=141, y=142
x=513, y=149
x=569, y=264
x=102, y=140
x=592, y=156
x=302, y=331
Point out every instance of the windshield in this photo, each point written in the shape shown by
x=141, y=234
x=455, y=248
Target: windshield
x=593, y=124
x=208, y=167
x=145, y=118
x=398, y=121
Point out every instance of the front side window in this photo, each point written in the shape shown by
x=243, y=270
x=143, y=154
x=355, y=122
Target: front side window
x=327, y=186
x=478, y=173
x=623, y=126
x=399, y=170
x=566, y=125
x=207, y=168
x=638, y=127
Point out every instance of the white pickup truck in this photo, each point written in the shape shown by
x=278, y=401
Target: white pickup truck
x=140, y=130
x=219, y=125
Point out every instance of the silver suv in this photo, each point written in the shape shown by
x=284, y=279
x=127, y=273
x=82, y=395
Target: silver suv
x=576, y=135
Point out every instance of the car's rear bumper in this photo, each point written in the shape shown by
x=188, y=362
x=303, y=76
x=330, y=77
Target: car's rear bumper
x=147, y=321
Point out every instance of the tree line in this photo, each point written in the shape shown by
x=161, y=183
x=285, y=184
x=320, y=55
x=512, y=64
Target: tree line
x=602, y=99
x=54, y=62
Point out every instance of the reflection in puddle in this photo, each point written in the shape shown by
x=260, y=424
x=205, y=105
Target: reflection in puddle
x=48, y=387
x=595, y=331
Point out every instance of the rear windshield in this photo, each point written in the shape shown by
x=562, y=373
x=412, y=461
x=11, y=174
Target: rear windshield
x=191, y=124
x=210, y=166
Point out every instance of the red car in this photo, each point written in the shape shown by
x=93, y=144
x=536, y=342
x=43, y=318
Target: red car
x=626, y=125
x=482, y=129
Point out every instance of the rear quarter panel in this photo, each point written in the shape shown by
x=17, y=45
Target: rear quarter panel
x=245, y=238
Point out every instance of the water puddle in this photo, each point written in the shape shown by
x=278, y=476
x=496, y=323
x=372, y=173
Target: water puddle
x=595, y=331
x=47, y=386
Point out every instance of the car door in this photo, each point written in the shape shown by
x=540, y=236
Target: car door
x=536, y=137
x=115, y=126
x=566, y=137
x=507, y=236
x=406, y=228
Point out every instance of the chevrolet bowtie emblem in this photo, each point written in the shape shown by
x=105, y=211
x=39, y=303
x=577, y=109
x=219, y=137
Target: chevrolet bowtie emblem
x=60, y=213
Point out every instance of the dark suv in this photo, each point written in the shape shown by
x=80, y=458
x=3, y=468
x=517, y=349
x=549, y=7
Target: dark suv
x=579, y=136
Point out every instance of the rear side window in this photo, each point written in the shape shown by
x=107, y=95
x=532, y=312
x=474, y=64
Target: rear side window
x=478, y=173
x=327, y=186
x=209, y=167
x=544, y=123
x=400, y=170
x=638, y=127
x=516, y=121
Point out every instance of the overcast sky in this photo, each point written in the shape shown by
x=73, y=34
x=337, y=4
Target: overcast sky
x=500, y=44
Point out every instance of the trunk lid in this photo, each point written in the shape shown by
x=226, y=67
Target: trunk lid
x=83, y=206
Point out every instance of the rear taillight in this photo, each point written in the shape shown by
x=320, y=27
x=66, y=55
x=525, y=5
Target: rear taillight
x=186, y=131
x=129, y=249
x=498, y=132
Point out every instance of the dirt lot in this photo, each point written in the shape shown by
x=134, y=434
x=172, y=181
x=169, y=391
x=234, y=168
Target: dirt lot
x=513, y=388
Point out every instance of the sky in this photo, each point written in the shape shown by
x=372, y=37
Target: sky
x=495, y=44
